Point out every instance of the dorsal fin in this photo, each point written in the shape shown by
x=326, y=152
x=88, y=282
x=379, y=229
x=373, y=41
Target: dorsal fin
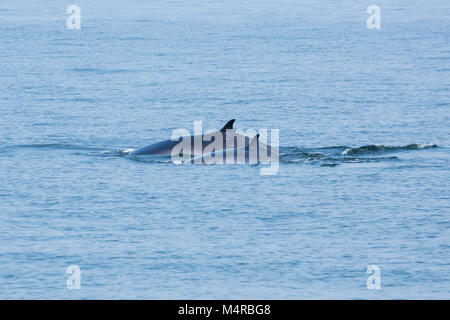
x=228, y=125
x=255, y=139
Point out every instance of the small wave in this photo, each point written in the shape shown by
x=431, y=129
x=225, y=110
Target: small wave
x=333, y=148
x=132, y=38
x=332, y=161
x=58, y=146
x=363, y=159
x=335, y=155
x=329, y=165
x=151, y=159
x=127, y=151
x=288, y=152
x=376, y=148
x=100, y=71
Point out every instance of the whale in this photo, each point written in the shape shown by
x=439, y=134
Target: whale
x=253, y=152
x=247, y=153
x=165, y=148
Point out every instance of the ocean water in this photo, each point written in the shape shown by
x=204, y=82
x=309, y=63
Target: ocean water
x=364, y=139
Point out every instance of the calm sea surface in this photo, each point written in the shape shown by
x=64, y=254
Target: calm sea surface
x=364, y=135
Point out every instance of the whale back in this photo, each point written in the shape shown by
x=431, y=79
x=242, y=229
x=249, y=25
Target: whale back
x=164, y=148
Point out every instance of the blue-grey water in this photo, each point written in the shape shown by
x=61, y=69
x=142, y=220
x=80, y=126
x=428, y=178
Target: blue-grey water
x=364, y=135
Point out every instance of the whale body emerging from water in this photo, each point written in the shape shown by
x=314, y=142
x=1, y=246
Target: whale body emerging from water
x=215, y=147
x=164, y=148
x=248, y=153
x=252, y=152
